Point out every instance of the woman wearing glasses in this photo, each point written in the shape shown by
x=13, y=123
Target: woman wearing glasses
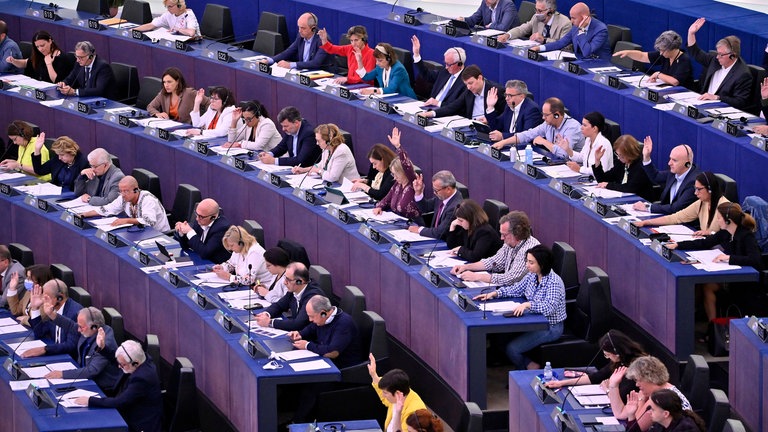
x=175, y=100
x=217, y=120
x=246, y=266
x=676, y=69
x=65, y=168
x=21, y=133
x=336, y=161
x=628, y=175
x=256, y=131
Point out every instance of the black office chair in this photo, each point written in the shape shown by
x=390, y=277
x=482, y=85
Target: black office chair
x=268, y=43
x=471, y=417
x=463, y=190
x=565, y=266
x=148, y=181
x=526, y=11
x=126, y=82
x=80, y=295
x=136, y=11
x=728, y=187
x=181, y=412
x=187, y=197
x=255, y=229
x=341, y=61
x=26, y=49
x=22, y=254
x=405, y=56
x=295, y=250
x=113, y=319
x=733, y=425
x=352, y=301
x=695, y=381
x=63, y=273
x=716, y=410
x=348, y=140
x=96, y=7
x=618, y=33
x=495, y=210
x=626, y=62
x=217, y=23
x=115, y=160
x=322, y=277
x=149, y=87
x=421, y=86
x=758, y=74
x=275, y=22
x=612, y=130
x=152, y=348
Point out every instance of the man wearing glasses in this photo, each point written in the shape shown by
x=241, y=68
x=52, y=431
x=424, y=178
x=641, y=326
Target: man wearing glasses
x=443, y=204
x=300, y=290
x=547, y=25
x=205, y=233
x=520, y=114
x=91, y=76
x=97, y=185
x=141, y=207
x=447, y=85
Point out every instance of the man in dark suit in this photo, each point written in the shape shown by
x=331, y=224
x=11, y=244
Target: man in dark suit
x=205, y=234
x=726, y=77
x=9, y=266
x=472, y=104
x=139, y=399
x=520, y=114
x=60, y=341
x=678, y=182
x=300, y=290
x=588, y=35
x=90, y=360
x=447, y=85
x=91, y=77
x=98, y=185
x=444, y=203
x=304, y=52
x=494, y=14
x=299, y=142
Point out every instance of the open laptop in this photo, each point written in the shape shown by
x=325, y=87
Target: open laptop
x=165, y=256
x=483, y=131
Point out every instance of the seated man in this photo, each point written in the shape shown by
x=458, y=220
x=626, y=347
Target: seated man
x=447, y=85
x=444, y=204
x=60, y=341
x=557, y=126
x=205, y=234
x=139, y=398
x=90, y=360
x=588, y=36
x=726, y=77
x=547, y=25
x=141, y=207
x=91, y=76
x=299, y=142
x=300, y=290
x=304, y=52
x=392, y=388
x=98, y=185
x=494, y=14
x=472, y=104
x=9, y=267
x=9, y=50
x=177, y=20
x=508, y=265
x=678, y=182
x=521, y=113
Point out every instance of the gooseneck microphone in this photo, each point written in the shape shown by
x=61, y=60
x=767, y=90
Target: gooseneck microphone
x=310, y=170
x=566, y=417
x=486, y=291
x=640, y=83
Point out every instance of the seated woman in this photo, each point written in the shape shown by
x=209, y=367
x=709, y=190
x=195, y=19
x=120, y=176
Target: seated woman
x=628, y=176
x=337, y=161
x=218, y=118
x=650, y=375
x=20, y=133
x=707, y=190
x=19, y=294
x=592, y=126
x=401, y=198
x=246, y=266
x=620, y=351
x=389, y=72
x=470, y=236
x=276, y=260
x=175, y=100
x=66, y=167
x=668, y=415
x=379, y=180
x=358, y=43
x=177, y=19
x=737, y=240
x=256, y=132
x=47, y=62
x=544, y=293
x=676, y=69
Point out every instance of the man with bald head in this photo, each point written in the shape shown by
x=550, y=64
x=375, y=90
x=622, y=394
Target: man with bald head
x=97, y=185
x=304, y=52
x=141, y=207
x=678, y=182
x=205, y=233
x=54, y=296
x=588, y=36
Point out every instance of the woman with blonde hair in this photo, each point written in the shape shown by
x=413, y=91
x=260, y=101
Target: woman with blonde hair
x=246, y=266
x=336, y=161
x=66, y=167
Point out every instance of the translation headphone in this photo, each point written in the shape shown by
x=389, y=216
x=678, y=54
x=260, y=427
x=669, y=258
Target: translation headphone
x=59, y=293
x=361, y=31
x=313, y=25
x=727, y=216
x=613, y=347
x=19, y=130
x=709, y=188
x=133, y=363
x=93, y=321
x=240, y=241
x=732, y=54
x=335, y=427
x=178, y=4
x=690, y=156
x=383, y=50
x=556, y=116
x=461, y=60
x=324, y=314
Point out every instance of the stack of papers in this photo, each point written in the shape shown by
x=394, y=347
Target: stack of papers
x=498, y=306
x=77, y=206
x=25, y=81
x=105, y=224
x=229, y=151
x=676, y=233
x=731, y=113
x=384, y=217
x=309, y=365
x=478, y=284
x=42, y=371
x=40, y=189
x=164, y=33
x=558, y=55
x=269, y=332
x=306, y=181
x=157, y=123
x=689, y=98
x=559, y=171
x=68, y=400
x=522, y=43
x=11, y=175
x=242, y=299
x=261, y=166
x=443, y=259
x=644, y=82
x=210, y=279
x=9, y=325
x=356, y=196
x=706, y=257
x=590, y=395
x=604, y=193
x=403, y=235
x=21, y=347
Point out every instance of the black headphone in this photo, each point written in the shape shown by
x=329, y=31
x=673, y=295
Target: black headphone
x=709, y=188
x=133, y=363
x=93, y=321
x=240, y=241
x=461, y=61
x=19, y=130
x=361, y=30
x=59, y=292
x=613, y=347
x=732, y=55
x=136, y=190
x=690, y=157
x=383, y=50
x=313, y=27
x=253, y=107
x=178, y=4
x=727, y=216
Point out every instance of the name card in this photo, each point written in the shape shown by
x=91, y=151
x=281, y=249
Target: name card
x=227, y=322
x=401, y=253
x=340, y=92
x=39, y=204
x=73, y=219
x=236, y=163
x=371, y=234
x=51, y=15
x=218, y=55
x=759, y=142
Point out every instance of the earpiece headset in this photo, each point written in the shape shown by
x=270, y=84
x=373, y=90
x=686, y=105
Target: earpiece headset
x=383, y=50
x=688, y=153
x=556, y=116
x=461, y=60
x=240, y=241
x=254, y=108
x=178, y=4
x=613, y=347
x=312, y=22
x=93, y=321
x=709, y=188
x=133, y=363
x=727, y=216
x=360, y=30
x=59, y=292
x=19, y=130
x=324, y=313
x=727, y=40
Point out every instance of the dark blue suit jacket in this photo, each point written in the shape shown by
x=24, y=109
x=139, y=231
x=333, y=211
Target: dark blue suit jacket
x=506, y=16
x=439, y=78
x=530, y=117
x=307, y=148
x=299, y=318
x=46, y=330
x=736, y=88
x=211, y=249
x=594, y=44
x=464, y=105
x=446, y=216
x=339, y=335
x=91, y=363
x=101, y=83
x=318, y=58
x=685, y=193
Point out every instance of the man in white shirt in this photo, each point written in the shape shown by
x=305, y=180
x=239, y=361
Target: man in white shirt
x=141, y=206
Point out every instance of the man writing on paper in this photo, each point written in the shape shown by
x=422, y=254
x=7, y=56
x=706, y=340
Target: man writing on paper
x=300, y=291
x=141, y=206
x=98, y=185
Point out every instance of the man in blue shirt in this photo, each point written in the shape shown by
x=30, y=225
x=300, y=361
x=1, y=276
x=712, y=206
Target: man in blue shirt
x=304, y=52
x=494, y=14
x=8, y=48
x=588, y=36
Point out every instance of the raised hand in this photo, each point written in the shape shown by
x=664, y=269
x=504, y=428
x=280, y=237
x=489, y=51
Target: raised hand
x=696, y=26
x=647, y=148
x=415, y=46
x=492, y=97
x=418, y=184
x=394, y=139
x=39, y=142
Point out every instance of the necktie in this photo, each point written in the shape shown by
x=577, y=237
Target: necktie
x=446, y=89
x=512, y=125
x=57, y=339
x=87, y=75
x=547, y=28
x=438, y=213
x=205, y=233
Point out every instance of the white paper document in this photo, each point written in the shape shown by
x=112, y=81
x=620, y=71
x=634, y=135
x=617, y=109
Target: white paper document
x=309, y=366
x=676, y=233
x=410, y=107
x=478, y=284
x=40, y=189
x=24, y=384
x=522, y=43
x=229, y=151
x=15, y=328
x=706, y=257
x=22, y=347
x=558, y=55
x=270, y=168
x=67, y=400
x=105, y=224
x=443, y=259
x=296, y=355
x=403, y=235
x=157, y=123
x=265, y=331
x=385, y=217
x=632, y=212
x=559, y=171
x=604, y=193
x=11, y=175
x=500, y=306
x=306, y=181
x=164, y=33
x=7, y=322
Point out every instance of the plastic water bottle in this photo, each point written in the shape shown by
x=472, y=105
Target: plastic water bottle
x=528, y=155
x=548, y=372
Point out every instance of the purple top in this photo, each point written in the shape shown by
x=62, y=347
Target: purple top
x=400, y=199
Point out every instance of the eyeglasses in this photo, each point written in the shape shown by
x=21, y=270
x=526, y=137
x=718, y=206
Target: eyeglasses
x=123, y=192
x=510, y=95
x=451, y=64
x=96, y=166
x=248, y=119
x=699, y=189
x=289, y=280
x=542, y=11
x=435, y=191
x=721, y=55
x=199, y=216
x=81, y=57
x=545, y=115
x=505, y=234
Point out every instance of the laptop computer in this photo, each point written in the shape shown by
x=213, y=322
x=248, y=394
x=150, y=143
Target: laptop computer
x=164, y=256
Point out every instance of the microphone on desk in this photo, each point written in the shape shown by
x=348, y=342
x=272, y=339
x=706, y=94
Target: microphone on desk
x=393, y=7
x=310, y=170
x=486, y=290
x=15, y=371
x=639, y=83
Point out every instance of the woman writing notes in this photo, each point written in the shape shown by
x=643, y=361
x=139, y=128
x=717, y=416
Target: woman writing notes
x=379, y=180
x=336, y=161
x=21, y=134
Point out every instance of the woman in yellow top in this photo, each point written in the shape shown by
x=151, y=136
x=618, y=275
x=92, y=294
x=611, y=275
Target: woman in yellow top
x=395, y=393
x=707, y=190
x=20, y=133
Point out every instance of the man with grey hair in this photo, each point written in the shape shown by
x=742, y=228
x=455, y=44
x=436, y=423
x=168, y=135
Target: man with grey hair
x=447, y=85
x=91, y=76
x=443, y=204
x=521, y=113
x=675, y=69
x=726, y=76
x=9, y=267
x=97, y=185
x=304, y=52
x=547, y=25
x=141, y=207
